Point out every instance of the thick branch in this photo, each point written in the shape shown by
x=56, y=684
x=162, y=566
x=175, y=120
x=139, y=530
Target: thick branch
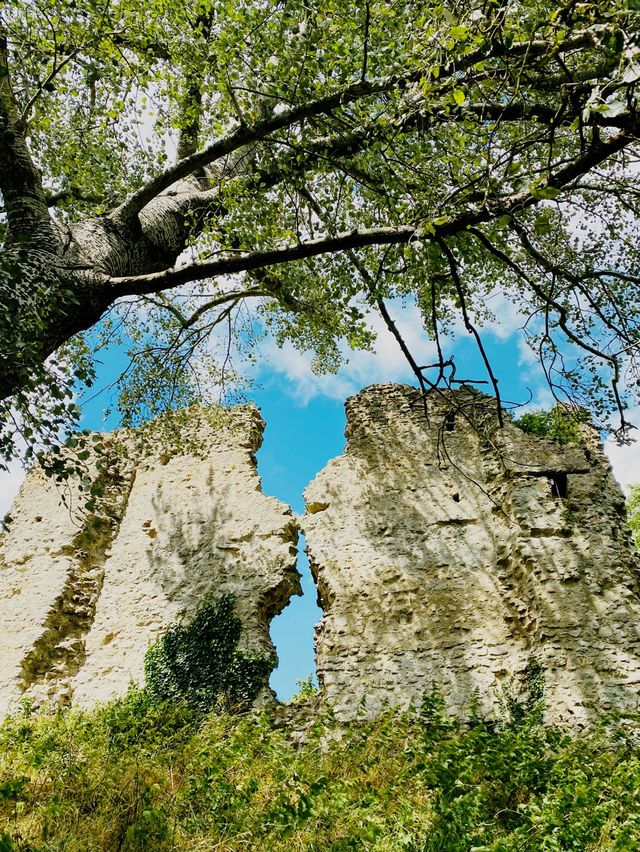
x=70, y=193
x=246, y=135
x=191, y=107
x=246, y=260
x=243, y=261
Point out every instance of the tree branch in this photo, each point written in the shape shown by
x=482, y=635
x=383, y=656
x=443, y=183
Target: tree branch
x=246, y=135
x=55, y=70
x=243, y=261
x=191, y=106
x=224, y=299
x=562, y=321
x=457, y=283
x=576, y=280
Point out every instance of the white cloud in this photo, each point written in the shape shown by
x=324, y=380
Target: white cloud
x=508, y=316
x=625, y=462
x=385, y=364
x=388, y=364
x=526, y=356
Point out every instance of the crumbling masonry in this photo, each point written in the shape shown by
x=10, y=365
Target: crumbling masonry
x=449, y=554
x=455, y=555
x=183, y=517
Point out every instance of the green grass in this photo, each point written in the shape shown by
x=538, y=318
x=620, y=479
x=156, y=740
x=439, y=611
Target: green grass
x=136, y=775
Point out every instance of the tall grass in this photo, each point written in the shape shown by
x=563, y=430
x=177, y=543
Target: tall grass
x=136, y=775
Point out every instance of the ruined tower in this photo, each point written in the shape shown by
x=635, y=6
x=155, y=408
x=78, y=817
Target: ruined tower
x=82, y=596
x=453, y=555
x=449, y=555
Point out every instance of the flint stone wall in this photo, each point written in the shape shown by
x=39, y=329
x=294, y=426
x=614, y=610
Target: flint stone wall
x=182, y=517
x=453, y=555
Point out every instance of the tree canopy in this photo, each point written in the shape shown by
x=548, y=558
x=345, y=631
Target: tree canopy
x=164, y=164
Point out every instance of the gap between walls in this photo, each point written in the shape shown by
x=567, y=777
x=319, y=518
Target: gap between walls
x=292, y=634
x=298, y=442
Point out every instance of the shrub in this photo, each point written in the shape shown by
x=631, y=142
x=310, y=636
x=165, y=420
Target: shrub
x=633, y=513
x=401, y=783
x=307, y=691
x=560, y=424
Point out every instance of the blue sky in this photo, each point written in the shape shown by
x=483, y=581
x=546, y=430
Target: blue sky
x=305, y=428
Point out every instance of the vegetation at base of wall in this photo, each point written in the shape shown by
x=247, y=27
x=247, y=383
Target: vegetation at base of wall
x=138, y=776
x=559, y=423
x=200, y=663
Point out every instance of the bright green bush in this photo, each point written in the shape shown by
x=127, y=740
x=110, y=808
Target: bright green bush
x=307, y=691
x=200, y=662
x=140, y=775
x=559, y=423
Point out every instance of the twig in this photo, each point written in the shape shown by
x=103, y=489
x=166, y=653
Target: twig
x=455, y=275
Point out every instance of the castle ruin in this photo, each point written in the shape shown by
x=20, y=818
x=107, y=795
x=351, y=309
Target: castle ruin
x=450, y=554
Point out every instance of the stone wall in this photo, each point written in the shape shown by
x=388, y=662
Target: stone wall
x=449, y=554
x=453, y=555
x=182, y=517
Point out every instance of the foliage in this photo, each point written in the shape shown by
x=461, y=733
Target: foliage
x=307, y=691
x=633, y=512
x=530, y=706
x=139, y=775
x=559, y=423
x=200, y=663
x=332, y=157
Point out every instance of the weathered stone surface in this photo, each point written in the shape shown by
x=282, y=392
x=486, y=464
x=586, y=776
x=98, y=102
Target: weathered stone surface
x=446, y=557
x=183, y=517
x=448, y=553
x=51, y=570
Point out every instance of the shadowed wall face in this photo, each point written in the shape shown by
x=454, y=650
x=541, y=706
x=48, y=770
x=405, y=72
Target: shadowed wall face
x=182, y=518
x=454, y=555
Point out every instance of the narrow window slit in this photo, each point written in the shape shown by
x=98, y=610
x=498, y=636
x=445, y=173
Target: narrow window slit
x=450, y=421
x=557, y=483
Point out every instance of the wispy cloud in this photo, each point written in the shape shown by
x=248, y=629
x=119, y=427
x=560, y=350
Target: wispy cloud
x=386, y=363
x=625, y=460
x=508, y=318
x=292, y=370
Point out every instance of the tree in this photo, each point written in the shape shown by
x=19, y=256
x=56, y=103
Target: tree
x=163, y=164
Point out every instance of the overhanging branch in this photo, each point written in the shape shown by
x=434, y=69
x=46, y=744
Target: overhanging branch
x=246, y=135
x=243, y=261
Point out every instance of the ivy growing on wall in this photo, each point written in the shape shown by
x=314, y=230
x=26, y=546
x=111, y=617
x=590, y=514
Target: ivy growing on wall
x=200, y=663
x=633, y=513
x=530, y=706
